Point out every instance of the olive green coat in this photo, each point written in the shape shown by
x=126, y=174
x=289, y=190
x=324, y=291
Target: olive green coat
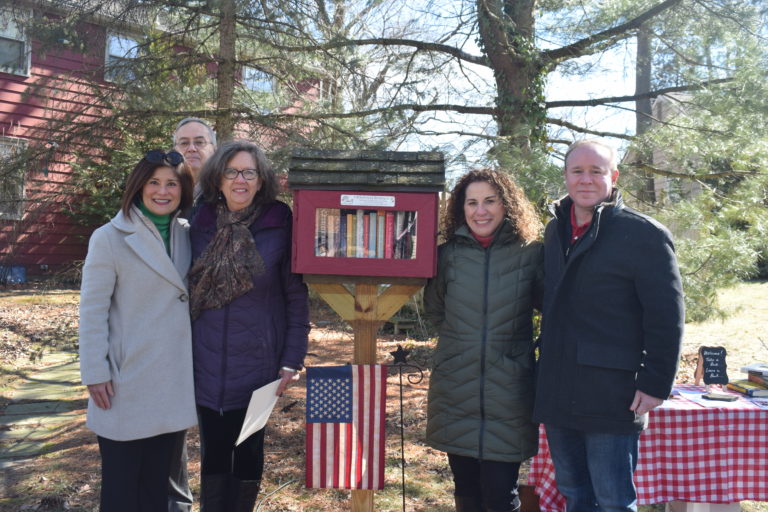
x=481, y=386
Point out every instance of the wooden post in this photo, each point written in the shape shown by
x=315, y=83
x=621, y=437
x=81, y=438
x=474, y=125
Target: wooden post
x=366, y=322
x=366, y=310
x=362, y=501
x=366, y=325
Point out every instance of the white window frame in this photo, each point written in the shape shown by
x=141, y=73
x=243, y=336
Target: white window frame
x=111, y=72
x=253, y=79
x=324, y=87
x=9, y=146
x=11, y=31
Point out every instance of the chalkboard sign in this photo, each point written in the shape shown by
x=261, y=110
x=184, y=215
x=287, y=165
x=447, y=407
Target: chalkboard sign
x=711, y=366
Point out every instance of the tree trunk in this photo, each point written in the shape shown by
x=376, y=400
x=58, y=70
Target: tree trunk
x=643, y=119
x=643, y=81
x=506, y=33
x=225, y=75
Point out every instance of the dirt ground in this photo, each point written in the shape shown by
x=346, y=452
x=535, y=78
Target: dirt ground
x=67, y=477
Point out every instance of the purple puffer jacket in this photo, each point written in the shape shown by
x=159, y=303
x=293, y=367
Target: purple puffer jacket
x=243, y=345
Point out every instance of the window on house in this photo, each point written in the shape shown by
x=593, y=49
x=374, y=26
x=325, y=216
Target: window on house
x=11, y=179
x=121, y=51
x=325, y=89
x=256, y=80
x=14, y=45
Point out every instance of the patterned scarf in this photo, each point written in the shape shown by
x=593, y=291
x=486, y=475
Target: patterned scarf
x=226, y=268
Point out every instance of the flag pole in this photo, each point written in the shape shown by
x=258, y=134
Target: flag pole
x=400, y=357
x=366, y=309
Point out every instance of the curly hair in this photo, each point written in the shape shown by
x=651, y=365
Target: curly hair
x=517, y=208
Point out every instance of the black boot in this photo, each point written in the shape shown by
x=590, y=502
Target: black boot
x=514, y=506
x=242, y=494
x=467, y=504
x=213, y=492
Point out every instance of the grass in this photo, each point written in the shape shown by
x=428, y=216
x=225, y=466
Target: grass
x=744, y=332
x=39, y=297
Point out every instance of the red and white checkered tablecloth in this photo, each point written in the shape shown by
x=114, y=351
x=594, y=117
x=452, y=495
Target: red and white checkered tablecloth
x=688, y=453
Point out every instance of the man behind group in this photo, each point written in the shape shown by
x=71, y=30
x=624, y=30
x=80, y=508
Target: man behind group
x=196, y=140
x=612, y=327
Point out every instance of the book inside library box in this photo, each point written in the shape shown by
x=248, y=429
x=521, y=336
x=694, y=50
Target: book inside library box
x=365, y=233
x=365, y=213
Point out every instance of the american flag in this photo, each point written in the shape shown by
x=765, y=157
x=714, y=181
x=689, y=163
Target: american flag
x=346, y=408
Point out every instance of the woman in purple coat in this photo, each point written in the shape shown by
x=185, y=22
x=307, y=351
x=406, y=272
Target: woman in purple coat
x=250, y=317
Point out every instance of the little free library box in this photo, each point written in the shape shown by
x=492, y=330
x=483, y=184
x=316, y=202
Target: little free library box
x=365, y=213
x=362, y=219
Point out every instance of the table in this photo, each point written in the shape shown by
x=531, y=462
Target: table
x=688, y=453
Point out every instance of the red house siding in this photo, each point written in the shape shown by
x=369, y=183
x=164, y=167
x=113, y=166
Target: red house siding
x=65, y=84
x=62, y=84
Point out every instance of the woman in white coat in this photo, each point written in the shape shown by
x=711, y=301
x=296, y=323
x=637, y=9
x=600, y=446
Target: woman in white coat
x=135, y=337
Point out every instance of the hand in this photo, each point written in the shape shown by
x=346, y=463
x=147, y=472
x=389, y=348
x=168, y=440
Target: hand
x=286, y=377
x=644, y=403
x=100, y=394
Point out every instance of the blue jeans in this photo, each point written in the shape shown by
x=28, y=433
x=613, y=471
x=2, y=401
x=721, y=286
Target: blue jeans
x=594, y=471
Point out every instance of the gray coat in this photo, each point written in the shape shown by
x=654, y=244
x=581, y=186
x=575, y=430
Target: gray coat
x=481, y=387
x=135, y=328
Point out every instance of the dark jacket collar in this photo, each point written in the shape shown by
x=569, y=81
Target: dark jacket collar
x=504, y=234
x=271, y=216
x=601, y=215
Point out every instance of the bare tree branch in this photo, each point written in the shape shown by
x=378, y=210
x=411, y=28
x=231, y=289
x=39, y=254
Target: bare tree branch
x=387, y=41
x=462, y=109
x=459, y=133
x=586, y=46
x=581, y=129
x=672, y=174
x=241, y=113
x=634, y=97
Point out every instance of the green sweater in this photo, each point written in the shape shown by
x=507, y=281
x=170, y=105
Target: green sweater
x=161, y=222
x=481, y=386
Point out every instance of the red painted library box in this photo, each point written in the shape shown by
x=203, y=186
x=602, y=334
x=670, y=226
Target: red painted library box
x=365, y=213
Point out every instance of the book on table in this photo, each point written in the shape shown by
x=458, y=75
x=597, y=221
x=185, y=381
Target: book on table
x=748, y=388
x=757, y=367
x=758, y=378
x=757, y=373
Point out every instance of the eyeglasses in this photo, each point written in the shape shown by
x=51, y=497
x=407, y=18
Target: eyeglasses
x=156, y=156
x=198, y=143
x=248, y=174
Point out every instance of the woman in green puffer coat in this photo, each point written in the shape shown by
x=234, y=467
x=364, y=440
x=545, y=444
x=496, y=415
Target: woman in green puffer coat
x=489, y=279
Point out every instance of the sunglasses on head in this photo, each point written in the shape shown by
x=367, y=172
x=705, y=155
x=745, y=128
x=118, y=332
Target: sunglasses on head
x=156, y=156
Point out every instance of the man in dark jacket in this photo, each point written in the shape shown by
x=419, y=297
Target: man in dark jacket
x=612, y=328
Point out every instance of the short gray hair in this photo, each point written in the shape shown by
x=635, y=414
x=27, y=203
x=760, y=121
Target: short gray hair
x=593, y=142
x=187, y=120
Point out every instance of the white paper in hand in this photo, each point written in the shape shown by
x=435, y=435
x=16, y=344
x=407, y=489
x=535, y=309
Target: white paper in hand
x=259, y=408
